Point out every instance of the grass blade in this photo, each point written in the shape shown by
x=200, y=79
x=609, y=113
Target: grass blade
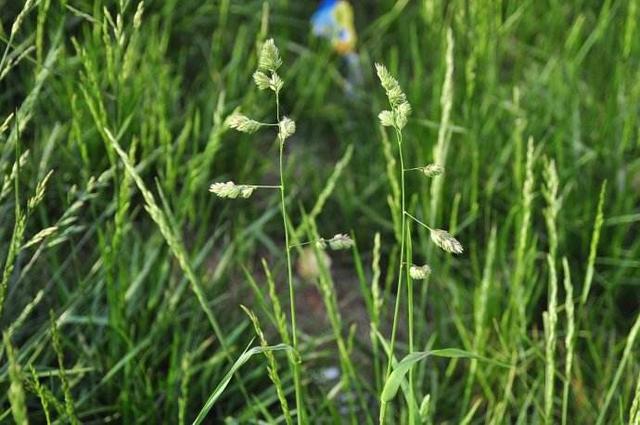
x=244, y=357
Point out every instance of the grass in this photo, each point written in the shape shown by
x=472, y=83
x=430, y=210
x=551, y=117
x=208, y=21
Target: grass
x=129, y=293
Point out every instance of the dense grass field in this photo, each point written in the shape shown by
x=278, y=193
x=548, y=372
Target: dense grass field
x=130, y=293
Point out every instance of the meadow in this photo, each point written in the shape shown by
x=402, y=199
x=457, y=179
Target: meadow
x=203, y=221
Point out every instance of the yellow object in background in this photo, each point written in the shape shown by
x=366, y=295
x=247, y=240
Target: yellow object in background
x=334, y=20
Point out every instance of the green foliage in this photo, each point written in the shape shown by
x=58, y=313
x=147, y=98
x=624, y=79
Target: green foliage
x=115, y=123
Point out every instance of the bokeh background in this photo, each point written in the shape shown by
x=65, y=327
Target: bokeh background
x=134, y=343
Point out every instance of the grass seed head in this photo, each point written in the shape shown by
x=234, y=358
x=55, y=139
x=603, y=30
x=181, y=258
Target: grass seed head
x=419, y=272
x=262, y=80
x=445, y=241
x=432, y=170
x=269, y=57
x=391, y=86
x=386, y=118
x=242, y=123
x=340, y=241
x=231, y=190
x=402, y=113
x=286, y=128
x=137, y=18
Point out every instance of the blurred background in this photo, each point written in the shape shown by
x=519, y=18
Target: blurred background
x=134, y=343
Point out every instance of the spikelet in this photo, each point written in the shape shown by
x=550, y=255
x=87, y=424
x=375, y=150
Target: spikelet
x=23, y=13
x=286, y=128
x=394, y=92
x=264, y=82
x=401, y=109
x=261, y=79
x=425, y=406
x=137, y=18
x=40, y=190
x=432, y=170
x=242, y=123
x=269, y=57
x=402, y=113
x=231, y=190
x=419, y=272
x=5, y=124
x=386, y=118
x=40, y=236
x=340, y=241
x=445, y=241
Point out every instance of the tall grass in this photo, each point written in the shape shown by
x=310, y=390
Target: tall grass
x=122, y=278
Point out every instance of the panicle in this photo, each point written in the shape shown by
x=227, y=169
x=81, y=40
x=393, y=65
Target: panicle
x=286, y=128
x=242, y=123
x=340, y=241
x=269, y=57
x=400, y=107
x=264, y=82
x=432, y=170
x=419, y=272
x=231, y=190
x=445, y=241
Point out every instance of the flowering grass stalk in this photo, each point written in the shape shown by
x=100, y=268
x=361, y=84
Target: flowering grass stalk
x=397, y=118
x=267, y=78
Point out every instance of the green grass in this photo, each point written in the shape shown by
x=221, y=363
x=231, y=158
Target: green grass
x=122, y=277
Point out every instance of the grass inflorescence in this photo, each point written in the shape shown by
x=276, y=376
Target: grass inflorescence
x=202, y=220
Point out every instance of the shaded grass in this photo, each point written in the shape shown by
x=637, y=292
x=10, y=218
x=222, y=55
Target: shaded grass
x=136, y=345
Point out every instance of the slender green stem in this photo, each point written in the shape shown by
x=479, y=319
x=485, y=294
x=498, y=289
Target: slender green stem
x=394, y=327
x=407, y=252
x=412, y=413
x=417, y=221
x=262, y=186
x=294, y=335
x=298, y=245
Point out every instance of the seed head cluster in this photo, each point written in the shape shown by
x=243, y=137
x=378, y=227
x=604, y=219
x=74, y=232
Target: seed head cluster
x=445, y=241
x=242, y=123
x=286, y=128
x=400, y=107
x=432, y=170
x=419, y=272
x=231, y=190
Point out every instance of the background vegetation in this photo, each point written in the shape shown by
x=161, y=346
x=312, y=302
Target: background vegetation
x=98, y=314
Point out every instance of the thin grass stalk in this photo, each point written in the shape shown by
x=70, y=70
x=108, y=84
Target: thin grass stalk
x=377, y=302
x=185, y=375
x=292, y=303
x=396, y=311
x=518, y=303
x=69, y=403
x=408, y=264
x=593, y=249
x=15, y=393
x=630, y=27
x=634, y=411
x=444, y=133
x=278, y=313
x=569, y=340
x=41, y=392
x=272, y=368
x=480, y=315
x=550, y=323
x=626, y=355
x=550, y=193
